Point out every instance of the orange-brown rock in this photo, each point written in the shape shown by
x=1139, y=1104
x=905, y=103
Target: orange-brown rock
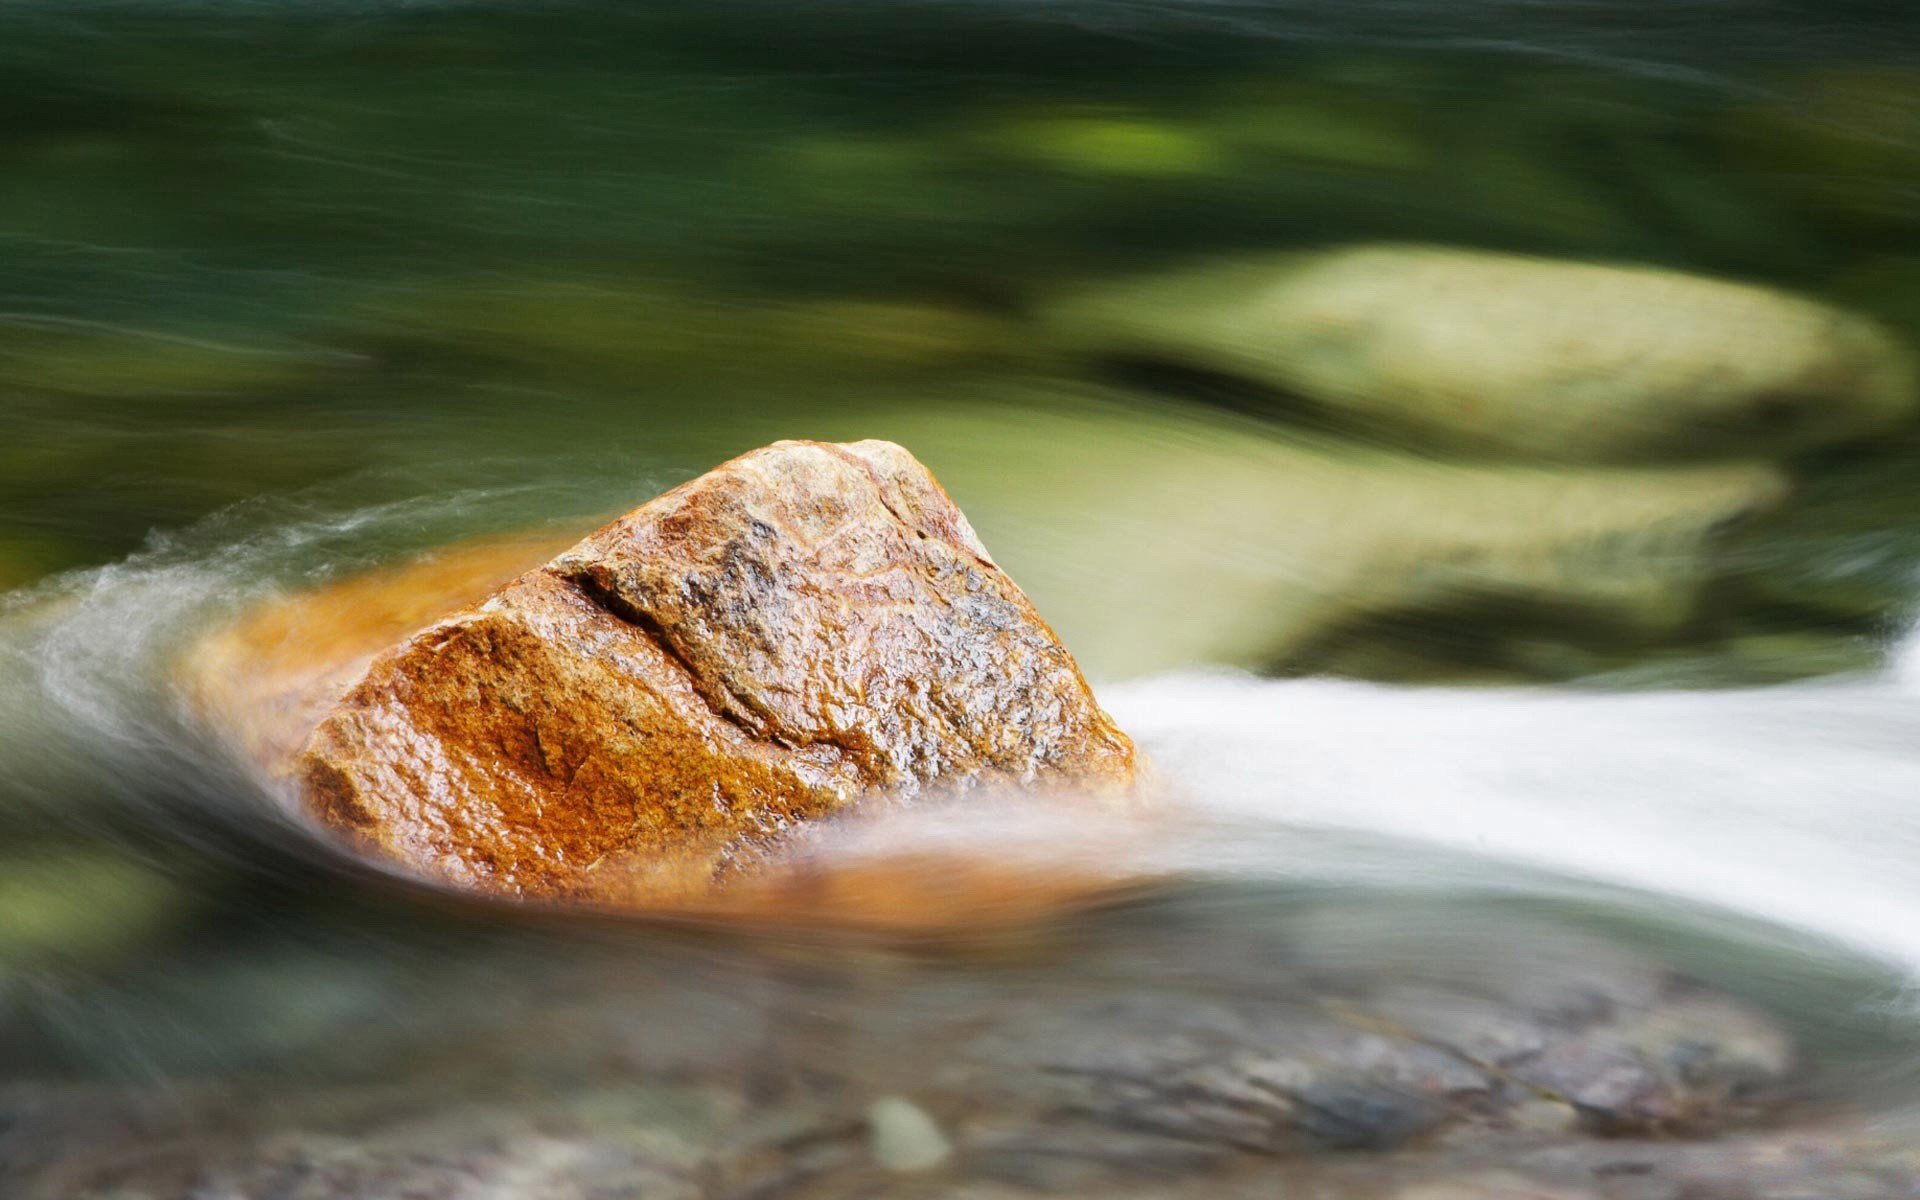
x=671, y=705
x=266, y=680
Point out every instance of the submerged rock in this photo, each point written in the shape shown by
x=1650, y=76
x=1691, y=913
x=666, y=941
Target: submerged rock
x=1561, y=360
x=1330, y=1055
x=904, y=1137
x=673, y=701
x=1172, y=535
x=1208, y=1060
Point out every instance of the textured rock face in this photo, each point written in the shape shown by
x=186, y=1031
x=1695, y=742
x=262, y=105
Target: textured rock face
x=665, y=704
x=1560, y=360
x=268, y=679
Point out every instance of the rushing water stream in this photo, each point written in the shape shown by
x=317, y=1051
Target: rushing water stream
x=294, y=289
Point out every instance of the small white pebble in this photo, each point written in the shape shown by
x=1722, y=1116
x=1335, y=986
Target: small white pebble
x=903, y=1137
x=1541, y=1115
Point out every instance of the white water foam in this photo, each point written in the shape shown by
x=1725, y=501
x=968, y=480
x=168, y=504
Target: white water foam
x=1797, y=804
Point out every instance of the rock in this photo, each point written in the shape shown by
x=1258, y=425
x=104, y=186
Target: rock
x=1490, y=352
x=904, y=1137
x=267, y=680
x=1173, y=535
x=673, y=701
x=1628, y=1050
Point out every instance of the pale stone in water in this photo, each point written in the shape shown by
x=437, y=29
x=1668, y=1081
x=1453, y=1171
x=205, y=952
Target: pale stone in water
x=1535, y=357
x=904, y=1137
x=1156, y=535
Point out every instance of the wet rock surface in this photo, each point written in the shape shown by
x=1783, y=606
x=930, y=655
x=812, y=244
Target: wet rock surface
x=663, y=705
x=268, y=679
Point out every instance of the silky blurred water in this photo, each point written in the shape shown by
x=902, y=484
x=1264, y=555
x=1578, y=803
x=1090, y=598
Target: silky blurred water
x=291, y=290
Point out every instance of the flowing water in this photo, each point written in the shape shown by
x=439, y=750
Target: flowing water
x=294, y=289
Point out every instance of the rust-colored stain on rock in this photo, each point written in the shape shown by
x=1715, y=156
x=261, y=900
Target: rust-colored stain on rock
x=659, y=711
